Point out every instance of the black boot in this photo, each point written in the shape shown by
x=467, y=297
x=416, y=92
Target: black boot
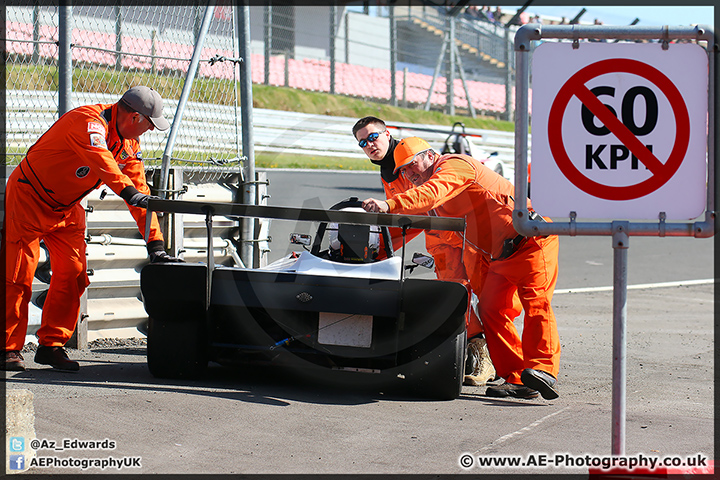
x=14, y=361
x=56, y=357
x=541, y=381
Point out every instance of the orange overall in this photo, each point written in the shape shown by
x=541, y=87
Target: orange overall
x=446, y=250
x=460, y=186
x=80, y=152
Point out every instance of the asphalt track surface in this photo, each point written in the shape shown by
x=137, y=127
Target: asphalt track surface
x=250, y=421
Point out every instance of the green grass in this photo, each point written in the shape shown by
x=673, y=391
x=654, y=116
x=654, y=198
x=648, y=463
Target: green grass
x=284, y=160
x=170, y=84
x=289, y=99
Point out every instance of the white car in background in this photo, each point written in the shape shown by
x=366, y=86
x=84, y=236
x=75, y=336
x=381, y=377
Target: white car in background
x=457, y=140
x=461, y=142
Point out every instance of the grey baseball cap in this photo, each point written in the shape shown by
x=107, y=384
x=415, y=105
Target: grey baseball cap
x=148, y=102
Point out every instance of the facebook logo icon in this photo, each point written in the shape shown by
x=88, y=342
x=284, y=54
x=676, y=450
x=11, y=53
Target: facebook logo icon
x=17, y=444
x=17, y=462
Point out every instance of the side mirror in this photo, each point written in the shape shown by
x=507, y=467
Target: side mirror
x=300, y=239
x=423, y=260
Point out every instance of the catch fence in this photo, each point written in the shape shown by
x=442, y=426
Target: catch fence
x=323, y=49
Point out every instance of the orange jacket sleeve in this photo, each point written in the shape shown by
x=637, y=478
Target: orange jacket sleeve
x=449, y=180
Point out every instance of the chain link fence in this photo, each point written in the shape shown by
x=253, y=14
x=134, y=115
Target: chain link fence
x=349, y=52
x=326, y=49
x=115, y=48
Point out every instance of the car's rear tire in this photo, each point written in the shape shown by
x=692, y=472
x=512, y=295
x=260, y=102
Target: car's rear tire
x=174, y=295
x=444, y=372
x=177, y=349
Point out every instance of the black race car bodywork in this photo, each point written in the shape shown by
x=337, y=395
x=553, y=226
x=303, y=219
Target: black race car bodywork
x=361, y=322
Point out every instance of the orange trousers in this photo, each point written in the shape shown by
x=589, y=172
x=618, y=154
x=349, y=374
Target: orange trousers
x=524, y=281
x=28, y=220
x=449, y=267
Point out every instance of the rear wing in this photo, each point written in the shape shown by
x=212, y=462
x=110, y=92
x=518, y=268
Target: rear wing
x=422, y=222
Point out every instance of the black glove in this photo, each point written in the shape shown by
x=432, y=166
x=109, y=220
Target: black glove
x=134, y=197
x=140, y=200
x=162, y=257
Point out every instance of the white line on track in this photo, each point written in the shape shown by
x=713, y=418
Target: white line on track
x=639, y=286
x=522, y=431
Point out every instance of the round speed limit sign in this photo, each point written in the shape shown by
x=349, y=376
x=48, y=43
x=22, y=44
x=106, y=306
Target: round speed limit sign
x=619, y=130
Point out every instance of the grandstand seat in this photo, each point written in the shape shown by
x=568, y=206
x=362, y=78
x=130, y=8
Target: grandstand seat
x=100, y=40
x=18, y=31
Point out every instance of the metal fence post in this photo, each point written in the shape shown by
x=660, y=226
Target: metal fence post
x=118, y=37
x=153, y=52
x=333, y=14
x=267, y=35
x=450, y=76
x=404, y=96
x=197, y=26
x=246, y=105
x=79, y=338
x=508, y=76
x=393, y=56
x=64, y=58
x=347, y=37
x=286, y=56
x=36, y=32
x=436, y=73
x=176, y=222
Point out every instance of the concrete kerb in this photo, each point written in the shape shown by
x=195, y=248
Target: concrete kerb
x=19, y=424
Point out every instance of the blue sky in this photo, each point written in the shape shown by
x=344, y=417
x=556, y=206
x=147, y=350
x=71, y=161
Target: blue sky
x=648, y=15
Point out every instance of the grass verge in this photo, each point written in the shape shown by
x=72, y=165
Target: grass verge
x=169, y=85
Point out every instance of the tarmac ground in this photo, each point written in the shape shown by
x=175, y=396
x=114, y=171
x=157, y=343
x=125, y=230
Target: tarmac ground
x=247, y=421
x=269, y=421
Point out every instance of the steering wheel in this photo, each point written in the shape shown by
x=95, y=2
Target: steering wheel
x=352, y=202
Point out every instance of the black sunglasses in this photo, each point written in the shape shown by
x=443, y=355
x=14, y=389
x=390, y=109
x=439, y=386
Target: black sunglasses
x=370, y=138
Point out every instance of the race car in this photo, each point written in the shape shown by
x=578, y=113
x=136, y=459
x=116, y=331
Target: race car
x=342, y=309
x=458, y=140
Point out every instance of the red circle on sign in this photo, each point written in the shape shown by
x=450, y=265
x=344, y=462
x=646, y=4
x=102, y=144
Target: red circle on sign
x=664, y=172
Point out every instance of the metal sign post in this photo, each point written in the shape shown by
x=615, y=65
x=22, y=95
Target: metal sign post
x=623, y=122
x=620, y=254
